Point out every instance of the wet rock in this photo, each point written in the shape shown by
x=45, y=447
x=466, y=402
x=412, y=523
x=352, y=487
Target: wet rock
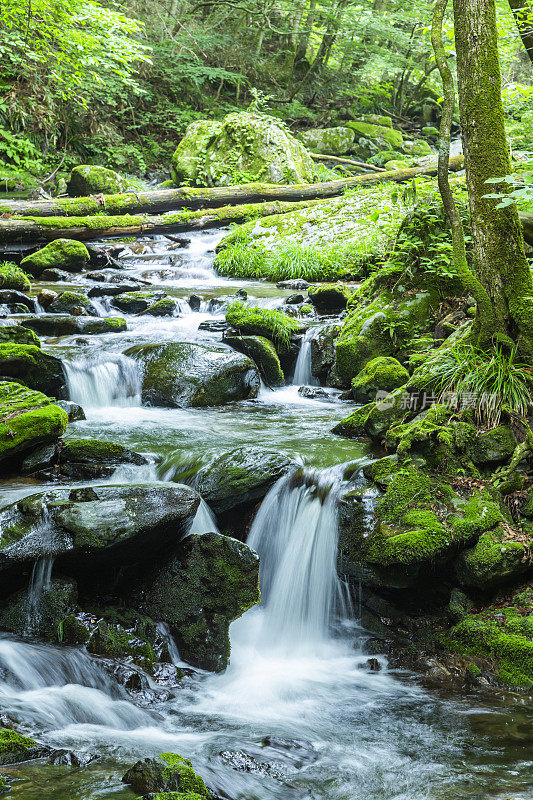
x=241, y=476
x=33, y=368
x=15, y=748
x=244, y=762
x=494, y=561
x=55, y=275
x=323, y=350
x=136, y=302
x=213, y=325
x=195, y=302
x=111, y=290
x=382, y=374
x=113, y=641
x=74, y=411
x=31, y=419
x=182, y=374
x=111, y=523
x=72, y=758
x=166, y=307
x=314, y=393
x=11, y=298
x=17, y=334
x=494, y=447
x=46, y=297
x=294, y=284
x=329, y=297
x=168, y=773
x=90, y=179
x=43, y=617
x=70, y=302
x=66, y=325
x=263, y=353
x=214, y=580
x=294, y=299
x=67, y=254
x=81, y=459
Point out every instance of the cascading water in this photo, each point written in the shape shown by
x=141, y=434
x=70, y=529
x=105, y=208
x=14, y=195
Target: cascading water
x=204, y=520
x=295, y=535
x=40, y=577
x=115, y=381
x=302, y=372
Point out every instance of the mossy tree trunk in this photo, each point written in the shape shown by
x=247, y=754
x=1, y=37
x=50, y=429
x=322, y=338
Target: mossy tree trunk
x=499, y=258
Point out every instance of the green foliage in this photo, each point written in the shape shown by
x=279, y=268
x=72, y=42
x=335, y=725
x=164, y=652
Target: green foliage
x=12, y=277
x=274, y=325
x=486, y=381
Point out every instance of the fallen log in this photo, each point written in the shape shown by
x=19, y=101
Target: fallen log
x=348, y=161
x=38, y=229
x=160, y=200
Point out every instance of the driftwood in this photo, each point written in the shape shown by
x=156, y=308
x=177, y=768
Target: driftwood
x=161, y=200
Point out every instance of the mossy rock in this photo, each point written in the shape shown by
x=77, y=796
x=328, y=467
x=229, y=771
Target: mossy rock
x=65, y=254
x=244, y=147
x=57, y=600
x=13, y=277
x=243, y=475
x=379, y=375
x=273, y=325
x=72, y=303
x=81, y=459
x=136, y=302
x=370, y=139
x=263, y=353
x=329, y=297
x=214, y=580
x=89, y=179
x=419, y=148
x=18, y=334
x=28, y=420
x=493, y=447
x=166, y=307
x=113, y=641
x=28, y=364
x=374, y=419
x=167, y=773
x=15, y=748
x=68, y=325
x=181, y=374
x=494, y=561
x=328, y=141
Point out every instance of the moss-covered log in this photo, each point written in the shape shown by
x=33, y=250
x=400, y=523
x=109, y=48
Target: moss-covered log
x=185, y=197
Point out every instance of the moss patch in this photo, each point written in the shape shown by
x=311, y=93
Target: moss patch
x=13, y=277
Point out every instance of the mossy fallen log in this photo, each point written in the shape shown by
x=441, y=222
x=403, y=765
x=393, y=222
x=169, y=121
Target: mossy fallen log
x=185, y=197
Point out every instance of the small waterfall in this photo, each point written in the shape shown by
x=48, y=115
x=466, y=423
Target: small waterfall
x=204, y=520
x=115, y=381
x=40, y=577
x=295, y=534
x=302, y=371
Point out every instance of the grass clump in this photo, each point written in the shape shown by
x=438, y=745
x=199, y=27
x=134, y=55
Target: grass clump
x=12, y=277
x=273, y=325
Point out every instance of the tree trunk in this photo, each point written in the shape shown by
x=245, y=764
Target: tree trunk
x=499, y=258
x=523, y=14
x=160, y=200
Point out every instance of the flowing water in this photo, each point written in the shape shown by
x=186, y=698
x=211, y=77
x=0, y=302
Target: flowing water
x=298, y=714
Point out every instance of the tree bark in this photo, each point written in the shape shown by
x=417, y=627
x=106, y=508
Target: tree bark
x=160, y=200
x=499, y=258
x=523, y=15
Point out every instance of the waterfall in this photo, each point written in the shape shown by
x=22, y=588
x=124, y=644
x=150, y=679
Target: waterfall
x=295, y=534
x=115, y=381
x=302, y=371
x=204, y=520
x=39, y=583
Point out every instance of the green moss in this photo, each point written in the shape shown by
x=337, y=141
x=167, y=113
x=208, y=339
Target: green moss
x=67, y=301
x=166, y=307
x=180, y=770
x=12, y=277
x=17, y=334
x=254, y=321
x=93, y=450
x=14, y=747
x=27, y=419
x=374, y=419
x=89, y=179
x=67, y=254
x=263, y=353
x=378, y=134
x=28, y=364
x=493, y=561
x=381, y=374
x=112, y=641
x=330, y=296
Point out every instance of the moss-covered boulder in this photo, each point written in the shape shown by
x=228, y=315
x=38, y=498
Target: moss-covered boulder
x=28, y=420
x=370, y=138
x=493, y=447
x=114, y=523
x=89, y=179
x=418, y=148
x=67, y=325
x=244, y=147
x=81, y=459
x=200, y=592
x=383, y=374
x=498, y=558
x=167, y=773
x=76, y=303
x=113, y=641
x=18, y=334
x=329, y=297
x=263, y=353
x=181, y=374
x=65, y=254
x=166, y=307
x=27, y=364
x=13, y=277
x=15, y=748
x=328, y=141
x=41, y=617
x=136, y=302
x=273, y=325
x=374, y=419
x=241, y=476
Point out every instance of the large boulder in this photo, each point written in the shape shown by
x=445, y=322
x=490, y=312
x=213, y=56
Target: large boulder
x=181, y=374
x=29, y=419
x=112, y=524
x=263, y=353
x=18, y=334
x=37, y=370
x=200, y=592
x=81, y=459
x=65, y=254
x=328, y=141
x=496, y=559
x=76, y=303
x=329, y=298
x=90, y=179
x=379, y=375
x=323, y=350
x=241, y=476
x=244, y=147
x=371, y=139
x=66, y=325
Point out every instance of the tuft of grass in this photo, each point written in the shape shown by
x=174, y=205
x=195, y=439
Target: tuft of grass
x=12, y=277
x=485, y=381
x=254, y=321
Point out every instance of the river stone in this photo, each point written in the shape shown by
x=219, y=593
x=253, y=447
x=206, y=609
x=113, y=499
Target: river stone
x=137, y=301
x=181, y=374
x=18, y=334
x=328, y=141
x=36, y=370
x=15, y=748
x=74, y=410
x=111, y=523
x=66, y=325
x=323, y=350
x=168, y=773
x=12, y=298
x=241, y=476
x=263, y=353
x=214, y=580
x=81, y=459
x=494, y=447
x=103, y=289
x=29, y=420
x=329, y=298
x=69, y=302
x=66, y=254
x=57, y=600
x=493, y=562
x=89, y=179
